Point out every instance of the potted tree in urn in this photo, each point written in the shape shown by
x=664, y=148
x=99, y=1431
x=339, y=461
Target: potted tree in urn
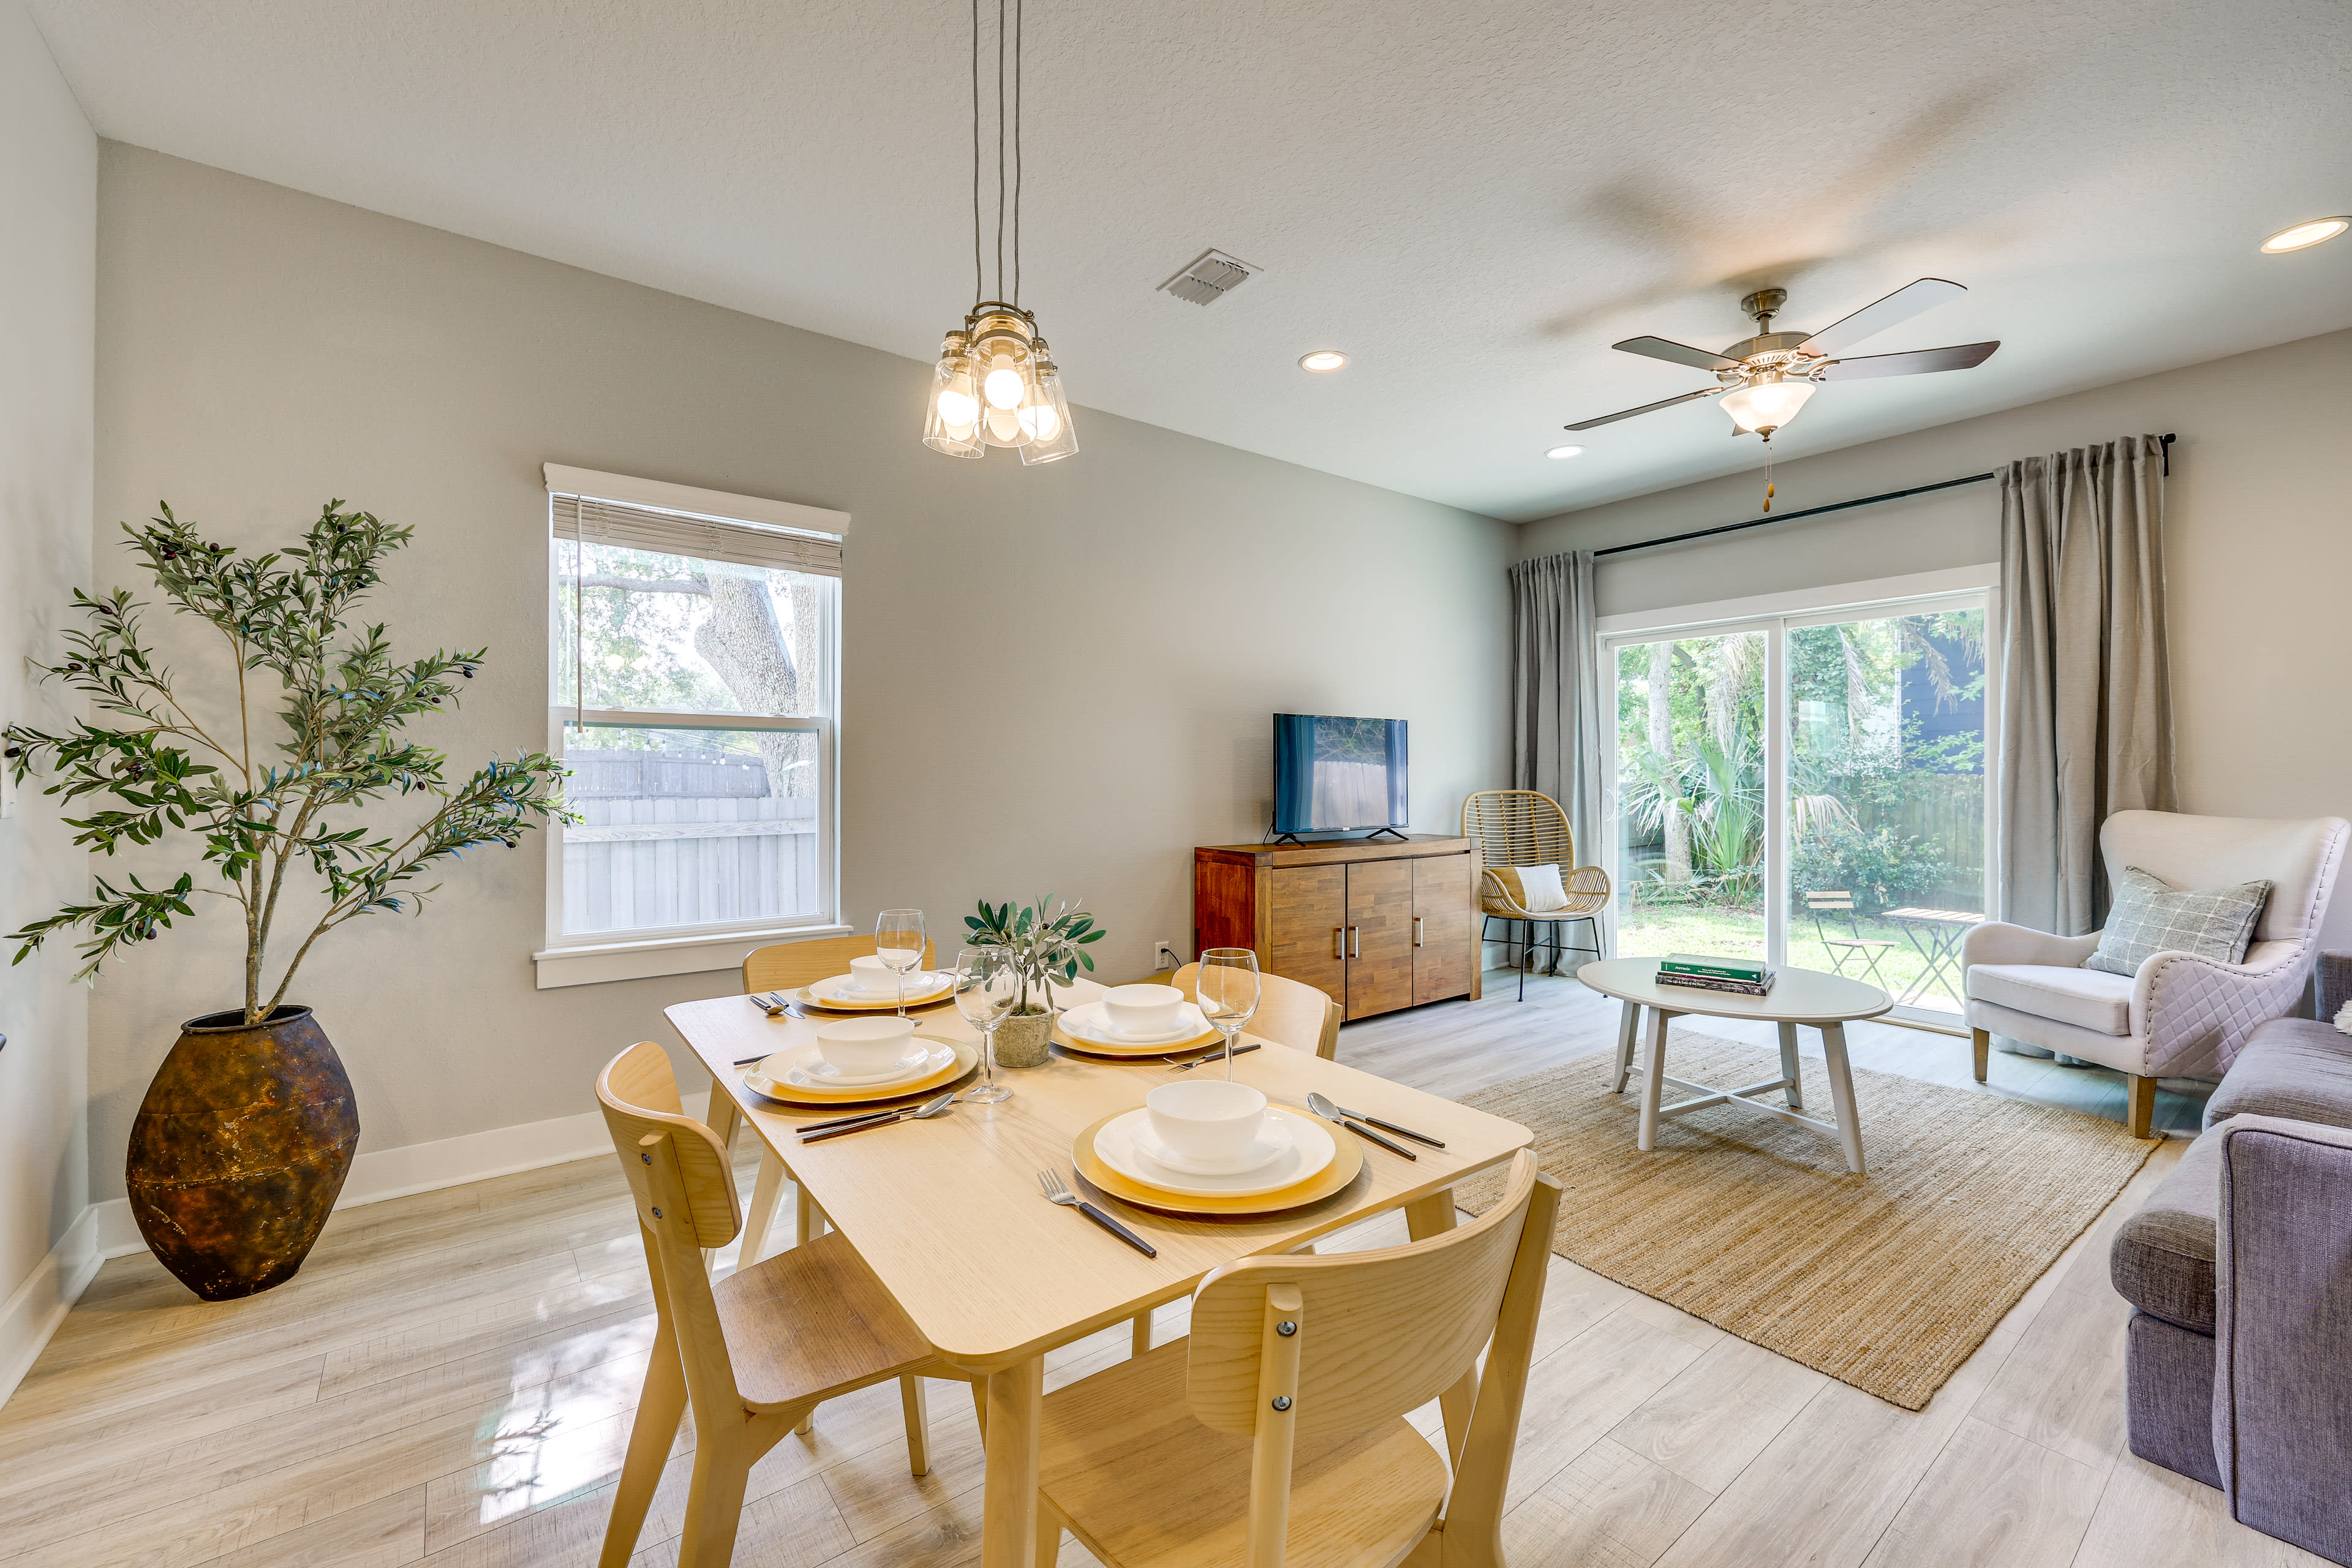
x=247, y=1131
x=1044, y=950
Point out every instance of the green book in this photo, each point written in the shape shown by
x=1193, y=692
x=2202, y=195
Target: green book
x=1748, y=969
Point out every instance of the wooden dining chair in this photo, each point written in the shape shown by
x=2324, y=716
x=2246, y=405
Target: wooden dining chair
x=754, y=1353
x=1275, y=1436
x=1289, y=1012
x=785, y=966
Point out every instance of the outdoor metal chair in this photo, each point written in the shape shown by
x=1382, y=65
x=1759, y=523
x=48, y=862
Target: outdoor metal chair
x=1526, y=827
x=1826, y=907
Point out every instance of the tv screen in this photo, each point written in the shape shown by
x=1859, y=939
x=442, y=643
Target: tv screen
x=1333, y=774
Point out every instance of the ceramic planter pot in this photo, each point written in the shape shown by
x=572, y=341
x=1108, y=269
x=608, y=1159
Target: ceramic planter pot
x=1021, y=1038
x=239, y=1149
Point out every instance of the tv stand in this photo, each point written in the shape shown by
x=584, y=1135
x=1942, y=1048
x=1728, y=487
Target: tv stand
x=1368, y=838
x=1393, y=833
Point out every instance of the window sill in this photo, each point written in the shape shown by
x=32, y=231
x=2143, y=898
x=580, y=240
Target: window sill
x=560, y=966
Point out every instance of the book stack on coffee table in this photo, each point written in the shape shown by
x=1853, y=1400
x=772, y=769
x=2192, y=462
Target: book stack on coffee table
x=1741, y=976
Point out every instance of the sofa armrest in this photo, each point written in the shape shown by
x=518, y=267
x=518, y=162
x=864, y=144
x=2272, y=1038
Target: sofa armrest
x=2281, y=1383
x=2194, y=1012
x=1996, y=942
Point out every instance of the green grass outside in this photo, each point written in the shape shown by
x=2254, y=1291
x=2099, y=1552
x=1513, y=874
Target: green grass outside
x=1652, y=931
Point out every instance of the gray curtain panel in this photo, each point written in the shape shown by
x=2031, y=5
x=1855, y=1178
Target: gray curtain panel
x=2086, y=717
x=1558, y=720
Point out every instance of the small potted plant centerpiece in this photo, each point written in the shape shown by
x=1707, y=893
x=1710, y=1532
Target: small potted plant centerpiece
x=1044, y=950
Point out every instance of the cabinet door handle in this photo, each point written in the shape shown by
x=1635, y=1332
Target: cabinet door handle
x=1416, y=929
x=1355, y=942
x=1339, y=942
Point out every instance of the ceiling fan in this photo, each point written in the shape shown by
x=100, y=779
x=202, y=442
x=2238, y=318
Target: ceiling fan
x=1766, y=379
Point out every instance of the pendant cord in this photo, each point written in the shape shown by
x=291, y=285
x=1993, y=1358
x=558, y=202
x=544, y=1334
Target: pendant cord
x=1016, y=153
x=1000, y=148
x=978, y=279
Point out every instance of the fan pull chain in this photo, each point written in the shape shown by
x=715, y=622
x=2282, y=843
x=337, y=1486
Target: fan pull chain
x=1768, y=476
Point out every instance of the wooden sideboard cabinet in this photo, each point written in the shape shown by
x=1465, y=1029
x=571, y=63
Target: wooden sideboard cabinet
x=1378, y=924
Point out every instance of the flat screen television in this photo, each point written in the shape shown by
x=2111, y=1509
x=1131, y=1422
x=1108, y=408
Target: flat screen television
x=1332, y=774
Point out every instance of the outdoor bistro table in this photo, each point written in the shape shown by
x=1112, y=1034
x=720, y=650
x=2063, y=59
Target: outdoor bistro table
x=1936, y=934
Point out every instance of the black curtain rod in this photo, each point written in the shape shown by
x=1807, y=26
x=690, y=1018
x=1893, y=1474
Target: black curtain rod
x=1818, y=511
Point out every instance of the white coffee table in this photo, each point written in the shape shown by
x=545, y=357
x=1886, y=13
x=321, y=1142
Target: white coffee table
x=1799, y=996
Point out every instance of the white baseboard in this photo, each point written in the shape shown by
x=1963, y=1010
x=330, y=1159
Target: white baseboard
x=106, y=1230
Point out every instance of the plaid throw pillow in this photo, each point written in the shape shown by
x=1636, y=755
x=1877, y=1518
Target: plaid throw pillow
x=2152, y=916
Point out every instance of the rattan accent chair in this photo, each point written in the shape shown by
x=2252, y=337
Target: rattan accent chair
x=1526, y=827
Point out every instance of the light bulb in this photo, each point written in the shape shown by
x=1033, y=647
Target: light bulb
x=1042, y=422
x=1323, y=362
x=957, y=410
x=1003, y=388
x=2305, y=234
x=951, y=423
x=1565, y=452
x=1764, y=407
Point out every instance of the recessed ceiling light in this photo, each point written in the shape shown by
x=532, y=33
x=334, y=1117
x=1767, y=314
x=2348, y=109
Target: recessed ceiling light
x=2305, y=234
x=1565, y=452
x=1323, y=362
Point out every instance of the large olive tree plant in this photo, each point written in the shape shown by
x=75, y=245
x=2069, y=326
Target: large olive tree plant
x=264, y=804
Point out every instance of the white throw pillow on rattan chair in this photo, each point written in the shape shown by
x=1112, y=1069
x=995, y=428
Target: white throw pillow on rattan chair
x=1535, y=888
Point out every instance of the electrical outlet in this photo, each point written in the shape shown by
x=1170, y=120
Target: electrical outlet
x=1163, y=956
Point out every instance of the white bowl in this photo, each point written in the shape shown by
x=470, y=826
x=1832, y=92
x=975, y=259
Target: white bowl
x=1210, y=1122
x=855, y=1046
x=871, y=975
x=1141, y=1009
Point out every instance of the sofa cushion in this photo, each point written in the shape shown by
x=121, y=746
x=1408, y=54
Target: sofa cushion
x=2086, y=998
x=2295, y=1067
x=2162, y=1259
x=2152, y=916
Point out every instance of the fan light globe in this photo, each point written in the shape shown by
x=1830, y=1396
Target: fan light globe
x=2305, y=234
x=1764, y=407
x=1565, y=452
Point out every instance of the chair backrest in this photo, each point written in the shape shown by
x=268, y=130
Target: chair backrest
x=1301, y=1345
x=2297, y=856
x=1289, y=1012
x=1518, y=827
x=1836, y=905
x=789, y=965
x=685, y=1192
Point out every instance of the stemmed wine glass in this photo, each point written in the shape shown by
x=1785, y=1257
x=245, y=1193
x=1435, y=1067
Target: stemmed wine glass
x=984, y=992
x=899, y=942
x=1226, y=988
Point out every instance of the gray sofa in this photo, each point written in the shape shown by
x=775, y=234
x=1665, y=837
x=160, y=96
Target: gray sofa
x=2239, y=1269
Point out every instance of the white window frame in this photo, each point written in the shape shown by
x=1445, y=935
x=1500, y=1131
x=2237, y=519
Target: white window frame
x=600, y=956
x=1775, y=616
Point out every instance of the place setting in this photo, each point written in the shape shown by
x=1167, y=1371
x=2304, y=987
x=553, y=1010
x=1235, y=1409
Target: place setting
x=892, y=979
x=860, y=1060
x=1127, y=1022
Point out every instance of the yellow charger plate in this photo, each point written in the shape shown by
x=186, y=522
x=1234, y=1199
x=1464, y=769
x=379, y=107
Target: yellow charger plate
x=967, y=1057
x=807, y=997
x=1346, y=1160
x=1064, y=1038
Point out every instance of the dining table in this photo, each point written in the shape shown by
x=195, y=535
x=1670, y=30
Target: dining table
x=949, y=1215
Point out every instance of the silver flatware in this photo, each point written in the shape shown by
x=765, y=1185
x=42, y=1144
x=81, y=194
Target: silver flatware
x=1051, y=1186
x=1211, y=1056
x=1326, y=1107
x=923, y=1112
x=1330, y=1112
x=885, y=1114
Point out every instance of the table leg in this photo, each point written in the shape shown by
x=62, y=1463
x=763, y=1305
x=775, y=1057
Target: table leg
x=1789, y=1068
x=1627, y=1028
x=1425, y=1218
x=1653, y=1081
x=1016, y=1399
x=766, y=1194
x=725, y=1116
x=1841, y=1094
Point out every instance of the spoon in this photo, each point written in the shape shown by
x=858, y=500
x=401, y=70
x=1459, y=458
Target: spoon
x=1330, y=1112
x=1376, y=1121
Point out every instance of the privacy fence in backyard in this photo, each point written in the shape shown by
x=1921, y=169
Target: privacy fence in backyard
x=683, y=838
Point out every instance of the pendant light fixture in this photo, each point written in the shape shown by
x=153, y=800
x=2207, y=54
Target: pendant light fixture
x=995, y=383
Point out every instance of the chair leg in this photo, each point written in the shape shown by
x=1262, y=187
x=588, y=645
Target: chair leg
x=1520, y=963
x=651, y=1431
x=760, y=1218
x=808, y=1220
x=979, y=1405
x=714, y=1502
x=2140, y=1095
x=1049, y=1533
x=1981, y=1042
x=1140, y=1340
x=918, y=1424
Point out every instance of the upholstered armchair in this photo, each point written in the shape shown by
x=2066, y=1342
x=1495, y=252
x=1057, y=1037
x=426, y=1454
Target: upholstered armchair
x=2182, y=1015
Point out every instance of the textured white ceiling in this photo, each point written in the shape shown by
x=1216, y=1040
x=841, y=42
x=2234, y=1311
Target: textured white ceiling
x=1473, y=200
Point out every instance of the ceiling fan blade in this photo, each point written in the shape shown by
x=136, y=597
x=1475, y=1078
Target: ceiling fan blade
x=1919, y=361
x=1676, y=353
x=1871, y=320
x=1646, y=409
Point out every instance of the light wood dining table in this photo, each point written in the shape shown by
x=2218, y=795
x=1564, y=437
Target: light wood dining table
x=947, y=1211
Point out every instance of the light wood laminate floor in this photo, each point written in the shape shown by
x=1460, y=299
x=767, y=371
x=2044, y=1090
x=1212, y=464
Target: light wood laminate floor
x=449, y=1382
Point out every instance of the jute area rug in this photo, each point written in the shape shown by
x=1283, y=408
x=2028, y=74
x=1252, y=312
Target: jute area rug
x=1888, y=1280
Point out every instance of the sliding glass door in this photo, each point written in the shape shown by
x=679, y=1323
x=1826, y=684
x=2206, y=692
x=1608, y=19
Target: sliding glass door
x=1810, y=789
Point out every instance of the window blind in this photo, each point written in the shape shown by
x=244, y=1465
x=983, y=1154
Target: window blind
x=629, y=526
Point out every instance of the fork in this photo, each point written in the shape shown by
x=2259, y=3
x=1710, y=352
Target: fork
x=1216, y=1056
x=1050, y=1183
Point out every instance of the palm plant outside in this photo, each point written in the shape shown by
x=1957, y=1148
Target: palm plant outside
x=1044, y=949
x=259, y=796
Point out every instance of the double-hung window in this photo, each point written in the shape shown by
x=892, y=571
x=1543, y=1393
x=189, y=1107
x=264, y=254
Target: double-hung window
x=696, y=659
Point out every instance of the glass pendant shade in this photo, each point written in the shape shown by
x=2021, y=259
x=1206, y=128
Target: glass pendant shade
x=1765, y=406
x=1006, y=372
x=1046, y=416
x=952, y=420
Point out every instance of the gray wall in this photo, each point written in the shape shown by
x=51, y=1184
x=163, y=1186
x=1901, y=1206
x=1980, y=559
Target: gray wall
x=2258, y=552
x=47, y=181
x=1056, y=678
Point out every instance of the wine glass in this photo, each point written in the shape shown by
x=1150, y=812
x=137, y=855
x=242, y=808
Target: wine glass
x=899, y=942
x=984, y=989
x=1226, y=989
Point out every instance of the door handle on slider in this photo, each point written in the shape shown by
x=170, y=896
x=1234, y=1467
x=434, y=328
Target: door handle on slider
x=1416, y=929
x=1355, y=942
x=1339, y=942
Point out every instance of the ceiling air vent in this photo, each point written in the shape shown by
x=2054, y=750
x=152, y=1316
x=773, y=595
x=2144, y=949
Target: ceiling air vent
x=1210, y=278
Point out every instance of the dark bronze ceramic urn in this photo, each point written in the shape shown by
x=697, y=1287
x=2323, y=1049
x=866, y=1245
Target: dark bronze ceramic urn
x=239, y=1149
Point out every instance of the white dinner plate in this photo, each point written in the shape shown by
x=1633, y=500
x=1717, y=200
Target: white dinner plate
x=1088, y=1024
x=925, y=988
x=1124, y=1143
x=806, y=1071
